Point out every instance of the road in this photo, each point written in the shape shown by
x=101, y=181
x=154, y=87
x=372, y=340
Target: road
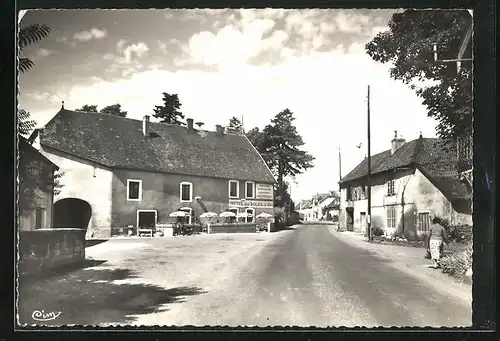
x=311, y=277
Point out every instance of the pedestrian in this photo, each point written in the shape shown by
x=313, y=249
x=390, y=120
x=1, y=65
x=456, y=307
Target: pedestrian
x=437, y=238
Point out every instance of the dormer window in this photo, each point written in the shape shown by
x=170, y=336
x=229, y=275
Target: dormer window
x=234, y=189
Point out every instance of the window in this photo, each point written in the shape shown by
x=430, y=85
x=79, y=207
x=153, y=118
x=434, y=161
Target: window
x=134, y=190
x=391, y=217
x=39, y=218
x=348, y=193
x=390, y=188
x=249, y=189
x=234, y=210
x=186, y=192
x=234, y=189
x=424, y=221
x=252, y=212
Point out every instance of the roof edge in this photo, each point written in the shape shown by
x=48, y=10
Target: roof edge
x=255, y=149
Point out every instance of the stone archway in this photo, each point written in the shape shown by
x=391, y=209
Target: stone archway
x=72, y=213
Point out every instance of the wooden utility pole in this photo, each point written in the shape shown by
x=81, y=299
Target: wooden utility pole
x=340, y=166
x=369, y=232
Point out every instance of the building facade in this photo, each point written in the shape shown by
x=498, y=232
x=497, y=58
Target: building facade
x=410, y=183
x=122, y=173
x=36, y=188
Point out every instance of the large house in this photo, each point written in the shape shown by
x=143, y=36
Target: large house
x=410, y=183
x=36, y=188
x=122, y=173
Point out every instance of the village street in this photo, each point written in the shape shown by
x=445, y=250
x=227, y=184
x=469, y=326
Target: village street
x=308, y=275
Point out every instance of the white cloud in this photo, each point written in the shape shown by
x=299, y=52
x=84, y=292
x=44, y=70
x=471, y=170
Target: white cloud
x=93, y=33
x=162, y=46
x=43, y=52
x=138, y=50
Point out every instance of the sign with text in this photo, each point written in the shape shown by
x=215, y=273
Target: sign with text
x=263, y=191
x=251, y=203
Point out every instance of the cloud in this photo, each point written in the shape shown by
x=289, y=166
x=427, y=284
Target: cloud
x=43, y=52
x=139, y=50
x=94, y=33
x=162, y=46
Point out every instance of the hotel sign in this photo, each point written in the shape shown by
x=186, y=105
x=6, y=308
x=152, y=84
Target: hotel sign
x=251, y=203
x=263, y=192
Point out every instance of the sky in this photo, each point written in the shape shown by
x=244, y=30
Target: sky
x=231, y=62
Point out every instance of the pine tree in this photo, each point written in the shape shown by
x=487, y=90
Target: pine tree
x=169, y=112
x=235, y=126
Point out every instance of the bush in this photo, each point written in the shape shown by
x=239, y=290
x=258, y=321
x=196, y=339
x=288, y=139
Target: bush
x=458, y=263
x=378, y=232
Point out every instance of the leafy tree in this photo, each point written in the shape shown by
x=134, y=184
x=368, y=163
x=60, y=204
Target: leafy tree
x=30, y=35
x=25, y=124
x=408, y=45
x=235, y=126
x=279, y=145
x=31, y=174
x=88, y=108
x=169, y=112
x=115, y=109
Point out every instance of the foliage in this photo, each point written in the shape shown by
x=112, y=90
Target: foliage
x=88, y=108
x=235, y=126
x=377, y=231
x=25, y=124
x=457, y=264
x=58, y=175
x=279, y=145
x=169, y=112
x=408, y=45
x=115, y=109
x=30, y=35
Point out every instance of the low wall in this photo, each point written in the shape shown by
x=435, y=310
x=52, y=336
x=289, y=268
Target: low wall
x=43, y=250
x=232, y=228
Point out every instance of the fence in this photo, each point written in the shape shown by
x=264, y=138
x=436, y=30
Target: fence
x=232, y=228
x=44, y=250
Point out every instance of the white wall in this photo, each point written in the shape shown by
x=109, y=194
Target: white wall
x=87, y=181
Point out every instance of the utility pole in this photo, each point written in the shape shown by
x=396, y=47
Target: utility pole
x=340, y=166
x=370, y=237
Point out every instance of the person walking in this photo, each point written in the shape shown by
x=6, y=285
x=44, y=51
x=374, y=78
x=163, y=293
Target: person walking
x=437, y=238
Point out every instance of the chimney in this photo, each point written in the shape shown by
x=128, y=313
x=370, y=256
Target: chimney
x=145, y=125
x=396, y=142
x=189, y=124
x=199, y=124
x=218, y=129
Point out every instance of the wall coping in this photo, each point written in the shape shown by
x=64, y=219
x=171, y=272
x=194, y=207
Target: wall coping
x=54, y=230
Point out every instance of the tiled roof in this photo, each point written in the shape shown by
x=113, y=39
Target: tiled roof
x=429, y=155
x=26, y=147
x=119, y=142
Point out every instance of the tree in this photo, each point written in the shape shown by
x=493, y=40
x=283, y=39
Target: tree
x=30, y=176
x=279, y=145
x=169, y=112
x=88, y=108
x=115, y=109
x=409, y=46
x=235, y=126
x=30, y=35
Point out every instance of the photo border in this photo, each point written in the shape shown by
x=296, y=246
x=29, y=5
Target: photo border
x=484, y=198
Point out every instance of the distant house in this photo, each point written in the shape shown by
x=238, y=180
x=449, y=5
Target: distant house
x=123, y=173
x=315, y=209
x=410, y=182
x=36, y=188
x=332, y=210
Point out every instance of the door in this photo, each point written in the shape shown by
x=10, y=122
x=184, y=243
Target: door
x=362, y=219
x=349, y=218
x=147, y=219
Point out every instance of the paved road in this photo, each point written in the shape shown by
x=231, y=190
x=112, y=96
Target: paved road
x=310, y=277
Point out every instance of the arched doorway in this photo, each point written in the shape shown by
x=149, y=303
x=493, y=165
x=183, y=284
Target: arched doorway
x=72, y=213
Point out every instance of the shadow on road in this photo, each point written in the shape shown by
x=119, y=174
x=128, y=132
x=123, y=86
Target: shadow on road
x=92, y=242
x=90, y=297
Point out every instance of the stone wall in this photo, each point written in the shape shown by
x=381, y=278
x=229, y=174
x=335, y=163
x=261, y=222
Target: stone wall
x=43, y=250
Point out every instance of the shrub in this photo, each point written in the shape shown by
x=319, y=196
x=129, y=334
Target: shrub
x=458, y=263
x=378, y=232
